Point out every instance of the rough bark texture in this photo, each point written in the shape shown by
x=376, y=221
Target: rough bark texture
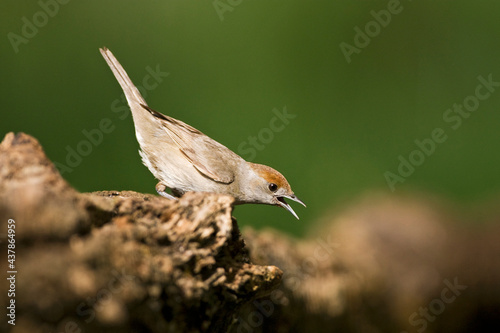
x=385, y=264
x=127, y=262
x=120, y=261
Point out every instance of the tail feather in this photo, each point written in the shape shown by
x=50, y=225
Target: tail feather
x=132, y=94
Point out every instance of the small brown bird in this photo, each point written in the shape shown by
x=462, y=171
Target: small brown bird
x=184, y=159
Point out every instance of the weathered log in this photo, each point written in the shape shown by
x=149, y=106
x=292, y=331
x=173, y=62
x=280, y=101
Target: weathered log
x=120, y=261
x=128, y=262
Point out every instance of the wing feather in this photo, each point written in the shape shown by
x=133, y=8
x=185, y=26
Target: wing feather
x=210, y=158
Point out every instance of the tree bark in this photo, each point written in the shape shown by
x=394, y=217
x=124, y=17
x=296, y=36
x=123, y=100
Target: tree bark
x=120, y=261
x=128, y=262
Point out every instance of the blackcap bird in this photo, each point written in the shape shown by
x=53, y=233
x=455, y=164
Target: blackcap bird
x=184, y=159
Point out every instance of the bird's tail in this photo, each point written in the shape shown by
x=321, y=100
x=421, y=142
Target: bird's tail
x=146, y=126
x=134, y=97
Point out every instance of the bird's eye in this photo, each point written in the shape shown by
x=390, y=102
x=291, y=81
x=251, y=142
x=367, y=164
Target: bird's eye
x=273, y=187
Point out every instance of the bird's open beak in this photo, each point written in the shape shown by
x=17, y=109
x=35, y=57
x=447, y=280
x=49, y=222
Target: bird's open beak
x=284, y=204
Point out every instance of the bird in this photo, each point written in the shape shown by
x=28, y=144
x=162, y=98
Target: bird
x=184, y=159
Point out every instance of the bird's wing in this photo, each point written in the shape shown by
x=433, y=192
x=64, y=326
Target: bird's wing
x=208, y=156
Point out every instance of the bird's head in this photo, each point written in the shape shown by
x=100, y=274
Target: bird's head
x=271, y=188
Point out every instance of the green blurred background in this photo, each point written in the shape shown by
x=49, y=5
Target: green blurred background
x=226, y=76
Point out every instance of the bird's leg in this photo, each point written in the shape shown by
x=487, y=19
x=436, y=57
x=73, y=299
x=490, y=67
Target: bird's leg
x=160, y=188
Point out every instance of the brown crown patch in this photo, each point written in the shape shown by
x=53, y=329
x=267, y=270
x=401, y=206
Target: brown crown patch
x=271, y=175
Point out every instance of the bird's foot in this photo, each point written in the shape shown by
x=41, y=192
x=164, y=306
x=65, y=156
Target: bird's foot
x=160, y=188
